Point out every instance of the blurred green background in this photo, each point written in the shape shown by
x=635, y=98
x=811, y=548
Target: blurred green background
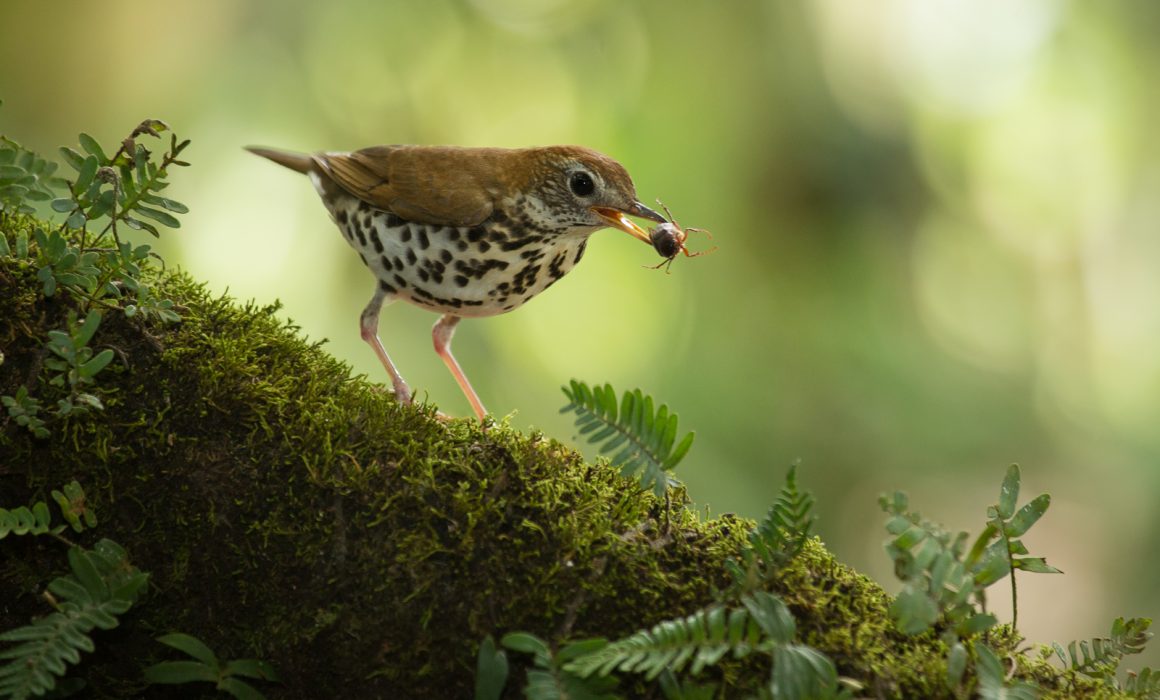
x=937, y=223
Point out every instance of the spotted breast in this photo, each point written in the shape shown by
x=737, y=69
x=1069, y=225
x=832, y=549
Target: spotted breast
x=469, y=271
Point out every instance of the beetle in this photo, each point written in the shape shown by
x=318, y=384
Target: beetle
x=668, y=240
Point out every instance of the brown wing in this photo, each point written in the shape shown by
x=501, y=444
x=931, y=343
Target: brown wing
x=425, y=184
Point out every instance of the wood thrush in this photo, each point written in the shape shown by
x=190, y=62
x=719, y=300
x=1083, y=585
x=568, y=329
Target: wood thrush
x=466, y=232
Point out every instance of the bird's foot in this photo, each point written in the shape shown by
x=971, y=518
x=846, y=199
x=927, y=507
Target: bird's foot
x=403, y=392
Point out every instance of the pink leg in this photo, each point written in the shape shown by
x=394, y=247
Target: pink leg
x=369, y=325
x=441, y=334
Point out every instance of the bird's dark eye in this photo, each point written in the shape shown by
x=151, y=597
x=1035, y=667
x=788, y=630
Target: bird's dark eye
x=581, y=184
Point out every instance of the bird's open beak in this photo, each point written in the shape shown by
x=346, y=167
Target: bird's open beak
x=619, y=219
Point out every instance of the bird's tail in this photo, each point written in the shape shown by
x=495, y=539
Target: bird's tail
x=301, y=162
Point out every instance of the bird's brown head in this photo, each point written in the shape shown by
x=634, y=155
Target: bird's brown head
x=582, y=189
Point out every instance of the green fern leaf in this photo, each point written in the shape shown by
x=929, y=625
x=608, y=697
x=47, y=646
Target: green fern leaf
x=550, y=679
x=938, y=582
x=1100, y=657
x=777, y=539
x=491, y=671
x=638, y=437
x=1144, y=685
x=101, y=587
x=762, y=625
x=802, y=673
x=25, y=521
x=696, y=641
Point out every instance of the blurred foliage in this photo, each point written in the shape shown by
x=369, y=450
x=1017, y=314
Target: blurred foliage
x=937, y=223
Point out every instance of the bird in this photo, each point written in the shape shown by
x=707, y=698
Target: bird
x=466, y=232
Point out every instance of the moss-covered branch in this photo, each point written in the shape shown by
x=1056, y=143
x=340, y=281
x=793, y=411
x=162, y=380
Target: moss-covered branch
x=289, y=512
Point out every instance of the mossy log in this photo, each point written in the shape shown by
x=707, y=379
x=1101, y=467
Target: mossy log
x=291, y=512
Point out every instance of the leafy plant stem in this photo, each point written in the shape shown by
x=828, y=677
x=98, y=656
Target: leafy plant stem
x=169, y=159
x=1014, y=590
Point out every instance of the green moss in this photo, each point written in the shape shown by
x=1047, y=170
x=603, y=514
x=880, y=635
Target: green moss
x=290, y=512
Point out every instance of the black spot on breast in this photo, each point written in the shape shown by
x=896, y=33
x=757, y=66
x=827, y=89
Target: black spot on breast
x=484, y=246
x=432, y=300
x=386, y=287
x=525, y=278
x=445, y=255
x=478, y=268
x=497, y=235
x=398, y=262
x=461, y=245
x=424, y=275
x=424, y=242
x=400, y=281
x=460, y=281
x=406, y=235
x=394, y=221
x=453, y=234
x=362, y=257
x=472, y=302
x=341, y=217
x=377, y=241
x=580, y=252
x=386, y=263
x=358, y=230
x=411, y=257
x=476, y=234
x=517, y=243
x=555, y=269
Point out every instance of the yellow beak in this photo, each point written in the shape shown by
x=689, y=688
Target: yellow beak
x=619, y=219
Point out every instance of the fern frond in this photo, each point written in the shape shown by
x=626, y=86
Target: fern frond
x=1100, y=657
x=936, y=581
x=777, y=539
x=802, y=673
x=763, y=624
x=699, y=640
x=37, y=520
x=639, y=438
x=556, y=684
x=676, y=689
x=991, y=561
x=550, y=679
x=27, y=521
x=1144, y=685
x=101, y=586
